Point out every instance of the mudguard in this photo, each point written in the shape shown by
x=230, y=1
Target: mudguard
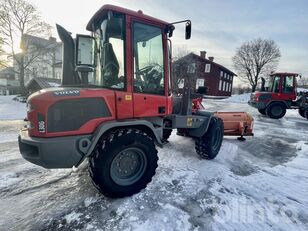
x=122, y=124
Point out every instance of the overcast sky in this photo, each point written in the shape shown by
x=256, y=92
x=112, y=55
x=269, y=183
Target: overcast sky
x=218, y=27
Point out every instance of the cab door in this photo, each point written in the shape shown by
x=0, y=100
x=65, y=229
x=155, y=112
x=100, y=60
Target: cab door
x=288, y=87
x=149, y=75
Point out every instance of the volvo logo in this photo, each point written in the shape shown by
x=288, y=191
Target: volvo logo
x=67, y=93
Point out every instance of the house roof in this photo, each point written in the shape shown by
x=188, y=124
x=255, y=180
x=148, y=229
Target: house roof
x=39, y=42
x=44, y=82
x=205, y=60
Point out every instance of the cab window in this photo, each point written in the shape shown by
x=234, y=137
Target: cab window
x=276, y=82
x=110, y=37
x=148, y=59
x=288, y=86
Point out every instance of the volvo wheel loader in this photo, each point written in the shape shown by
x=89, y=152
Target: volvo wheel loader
x=115, y=104
x=279, y=95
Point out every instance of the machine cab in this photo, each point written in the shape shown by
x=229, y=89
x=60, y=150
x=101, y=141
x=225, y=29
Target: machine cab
x=128, y=53
x=282, y=85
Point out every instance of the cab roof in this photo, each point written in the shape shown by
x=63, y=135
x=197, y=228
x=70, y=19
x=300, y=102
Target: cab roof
x=284, y=73
x=105, y=8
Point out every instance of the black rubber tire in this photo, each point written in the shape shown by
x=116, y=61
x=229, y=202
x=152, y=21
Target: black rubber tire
x=108, y=149
x=276, y=110
x=262, y=111
x=166, y=134
x=208, y=146
x=306, y=113
x=303, y=112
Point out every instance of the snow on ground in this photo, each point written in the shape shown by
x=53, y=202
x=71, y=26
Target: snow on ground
x=259, y=184
x=10, y=109
x=242, y=98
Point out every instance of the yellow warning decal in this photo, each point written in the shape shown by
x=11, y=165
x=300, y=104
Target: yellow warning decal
x=128, y=97
x=189, y=122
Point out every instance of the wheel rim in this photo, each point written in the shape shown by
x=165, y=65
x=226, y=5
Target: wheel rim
x=216, y=138
x=276, y=111
x=128, y=166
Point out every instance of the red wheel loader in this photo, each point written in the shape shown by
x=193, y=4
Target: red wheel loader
x=115, y=104
x=280, y=94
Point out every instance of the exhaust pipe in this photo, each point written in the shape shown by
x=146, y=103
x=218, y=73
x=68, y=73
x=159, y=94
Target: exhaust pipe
x=69, y=75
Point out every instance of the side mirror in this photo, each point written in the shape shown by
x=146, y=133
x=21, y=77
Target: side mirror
x=188, y=30
x=85, y=51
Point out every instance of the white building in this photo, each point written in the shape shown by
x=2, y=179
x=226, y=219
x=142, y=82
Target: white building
x=42, y=58
x=8, y=84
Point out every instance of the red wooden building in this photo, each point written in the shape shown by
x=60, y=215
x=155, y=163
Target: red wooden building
x=202, y=71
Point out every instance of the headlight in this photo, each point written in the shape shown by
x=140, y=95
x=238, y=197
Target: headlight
x=29, y=125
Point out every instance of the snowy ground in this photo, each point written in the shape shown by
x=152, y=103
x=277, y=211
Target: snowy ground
x=260, y=184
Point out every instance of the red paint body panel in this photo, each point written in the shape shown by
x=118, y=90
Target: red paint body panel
x=281, y=95
x=146, y=105
x=42, y=100
x=124, y=105
x=131, y=13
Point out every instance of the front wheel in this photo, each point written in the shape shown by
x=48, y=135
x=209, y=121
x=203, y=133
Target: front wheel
x=123, y=163
x=262, y=111
x=276, y=110
x=208, y=146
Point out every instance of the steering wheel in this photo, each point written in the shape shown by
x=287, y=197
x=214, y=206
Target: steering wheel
x=144, y=70
x=151, y=76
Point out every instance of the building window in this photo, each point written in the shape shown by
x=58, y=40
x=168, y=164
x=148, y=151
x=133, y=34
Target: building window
x=34, y=72
x=229, y=87
x=225, y=75
x=181, y=83
x=199, y=83
x=224, y=86
x=207, y=68
x=221, y=74
x=220, y=85
x=231, y=77
x=191, y=68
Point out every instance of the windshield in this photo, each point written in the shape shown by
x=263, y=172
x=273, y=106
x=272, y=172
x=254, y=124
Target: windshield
x=273, y=84
x=110, y=37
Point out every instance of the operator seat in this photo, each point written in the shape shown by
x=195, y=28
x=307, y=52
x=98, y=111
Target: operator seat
x=110, y=66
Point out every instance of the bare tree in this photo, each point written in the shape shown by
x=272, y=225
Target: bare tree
x=179, y=51
x=18, y=18
x=303, y=81
x=256, y=58
x=3, y=61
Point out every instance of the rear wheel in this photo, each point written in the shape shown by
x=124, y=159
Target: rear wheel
x=262, y=111
x=123, y=163
x=276, y=110
x=303, y=112
x=208, y=146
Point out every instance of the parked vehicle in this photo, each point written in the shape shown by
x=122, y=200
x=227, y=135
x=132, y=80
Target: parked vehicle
x=280, y=95
x=115, y=104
